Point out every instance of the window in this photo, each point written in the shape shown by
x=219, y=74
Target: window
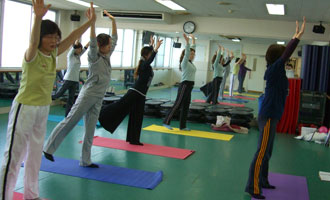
x=123, y=54
x=15, y=39
x=164, y=53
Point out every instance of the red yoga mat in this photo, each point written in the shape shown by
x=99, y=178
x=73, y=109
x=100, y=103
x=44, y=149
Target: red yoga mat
x=221, y=103
x=170, y=152
x=241, y=97
x=18, y=196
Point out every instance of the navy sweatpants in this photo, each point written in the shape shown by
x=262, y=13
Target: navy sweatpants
x=258, y=173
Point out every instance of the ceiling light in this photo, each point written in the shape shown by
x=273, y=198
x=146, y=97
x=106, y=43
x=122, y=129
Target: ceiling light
x=275, y=9
x=280, y=42
x=170, y=4
x=81, y=3
x=236, y=40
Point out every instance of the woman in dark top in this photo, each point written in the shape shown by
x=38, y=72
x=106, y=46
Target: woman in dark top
x=270, y=113
x=241, y=76
x=133, y=101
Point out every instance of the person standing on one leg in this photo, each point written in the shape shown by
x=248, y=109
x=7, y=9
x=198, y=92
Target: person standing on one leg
x=89, y=101
x=217, y=61
x=71, y=77
x=30, y=108
x=271, y=111
x=234, y=73
x=241, y=76
x=187, y=83
x=132, y=103
x=225, y=73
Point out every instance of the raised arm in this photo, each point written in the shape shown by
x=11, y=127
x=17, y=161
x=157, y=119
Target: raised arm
x=242, y=59
x=92, y=53
x=113, y=33
x=65, y=44
x=294, y=42
x=186, y=53
x=39, y=10
x=193, y=41
x=154, y=52
x=217, y=58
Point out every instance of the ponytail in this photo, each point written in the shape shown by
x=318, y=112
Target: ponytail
x=145, y=51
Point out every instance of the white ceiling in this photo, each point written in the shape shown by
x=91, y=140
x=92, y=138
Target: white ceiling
x=314, y=10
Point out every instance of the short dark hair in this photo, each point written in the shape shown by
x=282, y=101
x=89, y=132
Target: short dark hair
x=274, y=52
x=237, y=59
x=49, y=27
x=77, y=46
x=103, y=39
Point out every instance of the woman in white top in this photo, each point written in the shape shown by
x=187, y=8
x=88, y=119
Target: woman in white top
x=71, y=77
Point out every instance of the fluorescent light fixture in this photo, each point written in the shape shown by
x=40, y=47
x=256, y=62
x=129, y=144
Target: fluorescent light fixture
x=275, y=9
x=170, y=4
x=280, y=42
x=176, y=31
x=81, y=3
x=236, y=40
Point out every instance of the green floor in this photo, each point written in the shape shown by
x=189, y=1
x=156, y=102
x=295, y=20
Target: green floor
x=217, y=170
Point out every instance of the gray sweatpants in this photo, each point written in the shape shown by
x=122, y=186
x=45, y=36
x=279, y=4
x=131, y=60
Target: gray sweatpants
x=87, y=106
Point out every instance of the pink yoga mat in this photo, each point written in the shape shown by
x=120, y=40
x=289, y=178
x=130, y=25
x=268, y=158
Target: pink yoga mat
x=241, y=97
x=152, y=149
x=221, y=103
x=18, y=196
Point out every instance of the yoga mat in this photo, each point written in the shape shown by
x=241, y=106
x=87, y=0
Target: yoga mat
x=193, y=133
x=288, y=187
x=233, y=99
x=221, y=103
x=18, y=196
x=244, y=94
x=59, y=118
x=152, y=149
x=241, y=97
x=106, y=173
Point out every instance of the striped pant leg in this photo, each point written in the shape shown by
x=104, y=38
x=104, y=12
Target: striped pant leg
x=25, y=137
x=177, y=103
x=261, y=158
x=15, y=150
x=185, y=105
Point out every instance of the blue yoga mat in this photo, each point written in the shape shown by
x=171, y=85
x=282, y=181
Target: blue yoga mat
x=233, y=99
x=105, y=173
x=58, y=118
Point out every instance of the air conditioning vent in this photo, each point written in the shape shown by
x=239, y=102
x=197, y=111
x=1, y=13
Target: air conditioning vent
x=140, y=16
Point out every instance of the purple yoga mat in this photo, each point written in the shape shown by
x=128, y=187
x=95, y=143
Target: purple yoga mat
x=288, y=187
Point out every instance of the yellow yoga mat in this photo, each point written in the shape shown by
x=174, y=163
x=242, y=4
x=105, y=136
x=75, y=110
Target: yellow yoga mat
x=193, y=133
x=244, y=94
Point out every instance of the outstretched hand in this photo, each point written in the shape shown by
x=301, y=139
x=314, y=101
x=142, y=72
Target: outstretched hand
x=109, y=15
x=90, y=13
x=39, y=8
x=300, y=31
x=152, y=40
x=186, y=38
x=158, y=44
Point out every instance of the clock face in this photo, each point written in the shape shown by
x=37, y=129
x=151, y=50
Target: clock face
x=189, y=27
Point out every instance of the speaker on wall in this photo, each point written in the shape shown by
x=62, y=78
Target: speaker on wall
x=146, y=36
